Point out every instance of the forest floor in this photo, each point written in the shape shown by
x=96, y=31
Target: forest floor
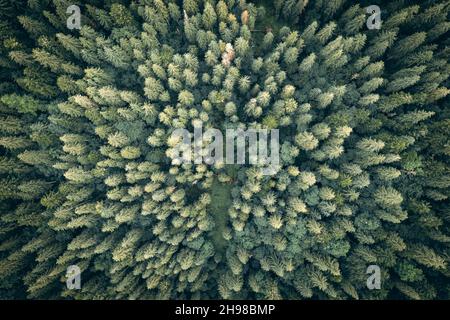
x=221, y=200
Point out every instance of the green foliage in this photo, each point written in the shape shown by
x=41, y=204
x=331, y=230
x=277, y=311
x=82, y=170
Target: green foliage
x=87, y=179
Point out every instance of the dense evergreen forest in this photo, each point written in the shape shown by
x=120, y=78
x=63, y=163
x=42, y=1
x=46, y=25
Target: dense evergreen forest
x=86, y=178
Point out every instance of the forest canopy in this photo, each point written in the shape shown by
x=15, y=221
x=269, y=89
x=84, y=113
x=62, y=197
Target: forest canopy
x=86, y=178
